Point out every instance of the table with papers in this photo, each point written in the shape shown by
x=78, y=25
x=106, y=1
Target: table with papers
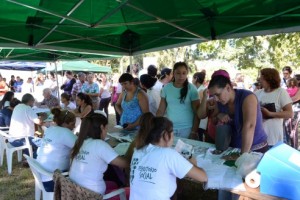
x=219, y=175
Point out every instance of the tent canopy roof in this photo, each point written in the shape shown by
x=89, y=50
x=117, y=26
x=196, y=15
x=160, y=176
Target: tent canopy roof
x=126, y=27
x=81, y=66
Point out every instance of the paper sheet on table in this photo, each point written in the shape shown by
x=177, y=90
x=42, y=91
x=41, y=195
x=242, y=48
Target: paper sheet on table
x=220, y=176
x=121, y=136
x=122, y=148
x=184, y=149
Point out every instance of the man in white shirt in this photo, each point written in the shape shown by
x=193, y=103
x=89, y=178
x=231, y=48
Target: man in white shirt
x=22, y=123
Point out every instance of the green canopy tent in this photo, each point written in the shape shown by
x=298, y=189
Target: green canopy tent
x=45, y=55
x=128, y=27
x=82, y=66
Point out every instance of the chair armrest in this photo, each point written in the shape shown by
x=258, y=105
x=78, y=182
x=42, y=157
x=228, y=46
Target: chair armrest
x=114, y=193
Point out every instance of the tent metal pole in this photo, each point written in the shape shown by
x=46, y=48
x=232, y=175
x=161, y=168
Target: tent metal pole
x=51, y=13
x=55, y=63
x=130, y=64
x=9, y=53
x=61, y=21
x=12, y=40
x=166, y=22
x=262, y=20
x=78, y=36
x=110, y=14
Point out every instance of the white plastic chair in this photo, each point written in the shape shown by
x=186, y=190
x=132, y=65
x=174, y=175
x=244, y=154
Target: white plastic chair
x=6, y=146
x=37, y=170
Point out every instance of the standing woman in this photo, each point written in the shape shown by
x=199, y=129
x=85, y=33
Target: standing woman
x=91, y=89
x=105, y=95
x=155, y=165
x=132, y=102
x=69, y=82
x=271, y=92
x=165, y=76
x=91, y=154
x=238, y=108
x=55, y=149
x=180, y=100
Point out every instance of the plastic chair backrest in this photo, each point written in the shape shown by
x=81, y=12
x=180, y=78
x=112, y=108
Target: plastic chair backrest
x=37, y=170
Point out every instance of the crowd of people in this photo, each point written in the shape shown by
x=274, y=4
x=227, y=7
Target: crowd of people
x=158, y=106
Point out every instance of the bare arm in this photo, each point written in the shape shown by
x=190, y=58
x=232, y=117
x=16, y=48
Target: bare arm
x=198, y=174
x=92, y=94
x=162, y=107
x=249, y=122
x=118, y=104
x=195, y=106
x=120, y=162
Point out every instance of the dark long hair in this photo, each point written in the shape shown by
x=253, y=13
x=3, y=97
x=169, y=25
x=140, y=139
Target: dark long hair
x=219, y=81
x=184, y=90
x=90, y=128
x=152, y=129
x=86, y=98
x=62, y=116
x=8, y=96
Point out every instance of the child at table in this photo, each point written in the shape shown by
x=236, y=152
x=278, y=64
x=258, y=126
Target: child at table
x=155, y=166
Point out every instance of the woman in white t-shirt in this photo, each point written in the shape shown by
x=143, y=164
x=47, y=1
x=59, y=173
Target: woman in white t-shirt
x=155, y=166
x=58, y=140
x=272, y=93
x=66, y=103
x=91, y=155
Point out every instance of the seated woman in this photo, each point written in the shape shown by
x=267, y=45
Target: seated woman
x=6, y=112
x=66, y=104
x=235, y=107
x=58, y=140
x=8, y=96
x=85, y=106
x=91, y=155
x=132, y=102
x=155, y=166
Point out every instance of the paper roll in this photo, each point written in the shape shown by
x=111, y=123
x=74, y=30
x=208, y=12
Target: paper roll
x=253, y=179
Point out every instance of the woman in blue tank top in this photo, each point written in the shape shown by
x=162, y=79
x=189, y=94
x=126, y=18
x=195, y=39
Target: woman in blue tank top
x=238, y=108
x=132, y=102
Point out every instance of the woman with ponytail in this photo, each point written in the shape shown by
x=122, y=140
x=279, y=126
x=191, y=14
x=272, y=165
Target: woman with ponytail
x=180, y=100
x=91, y=155
x=58, y=140
x=155, y=166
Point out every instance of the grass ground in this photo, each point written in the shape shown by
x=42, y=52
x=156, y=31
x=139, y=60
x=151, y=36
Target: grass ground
x=20, y=184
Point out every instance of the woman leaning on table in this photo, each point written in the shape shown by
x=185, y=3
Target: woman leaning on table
x=155, y=165
x=237, y=107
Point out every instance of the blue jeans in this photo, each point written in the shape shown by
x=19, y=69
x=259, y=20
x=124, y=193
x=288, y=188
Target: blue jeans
x=184, y=133
x=34, y=142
